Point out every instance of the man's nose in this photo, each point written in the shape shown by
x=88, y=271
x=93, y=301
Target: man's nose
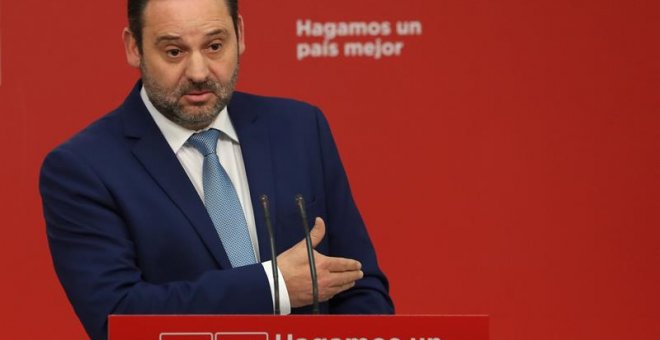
x=197, y=69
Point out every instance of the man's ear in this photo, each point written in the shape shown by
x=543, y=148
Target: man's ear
x=131, y=48
x=241, y=35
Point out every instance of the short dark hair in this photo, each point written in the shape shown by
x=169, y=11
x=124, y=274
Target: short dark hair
x=136, y=10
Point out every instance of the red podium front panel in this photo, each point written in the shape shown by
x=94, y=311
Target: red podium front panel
x=295, y=327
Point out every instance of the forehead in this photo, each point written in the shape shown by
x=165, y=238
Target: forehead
x=182, y=16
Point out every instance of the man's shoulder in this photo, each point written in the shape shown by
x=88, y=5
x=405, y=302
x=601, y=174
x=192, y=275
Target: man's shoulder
x=285, y=115
x=110, y=128
x=99, y=138
x=269, y=103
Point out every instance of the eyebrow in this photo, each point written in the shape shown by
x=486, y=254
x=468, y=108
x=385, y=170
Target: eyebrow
x=173, y=37
x=167, y=37
x=219, y=31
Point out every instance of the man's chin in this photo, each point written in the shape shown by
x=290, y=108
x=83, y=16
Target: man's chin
x=198, y=117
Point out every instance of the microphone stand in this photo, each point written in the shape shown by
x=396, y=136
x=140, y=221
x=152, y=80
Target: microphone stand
x=273, y=254
x=300, y=202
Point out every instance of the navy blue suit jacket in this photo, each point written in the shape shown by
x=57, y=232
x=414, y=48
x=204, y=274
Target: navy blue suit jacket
x=129, y=234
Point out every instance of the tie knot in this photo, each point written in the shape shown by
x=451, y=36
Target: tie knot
x=205, y=141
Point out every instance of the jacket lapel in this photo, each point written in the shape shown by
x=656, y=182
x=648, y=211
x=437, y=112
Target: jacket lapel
x=252, y=129
x=152, y=150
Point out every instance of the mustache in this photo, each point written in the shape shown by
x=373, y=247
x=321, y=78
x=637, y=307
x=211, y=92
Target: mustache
x=199, y=86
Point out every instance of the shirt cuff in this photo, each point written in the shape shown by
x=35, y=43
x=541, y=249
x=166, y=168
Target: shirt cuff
x=285, y=304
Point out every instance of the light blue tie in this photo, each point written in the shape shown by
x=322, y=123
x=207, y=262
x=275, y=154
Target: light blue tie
x=222, y=201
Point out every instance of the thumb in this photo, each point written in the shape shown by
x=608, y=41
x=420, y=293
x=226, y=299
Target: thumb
x=318, y=232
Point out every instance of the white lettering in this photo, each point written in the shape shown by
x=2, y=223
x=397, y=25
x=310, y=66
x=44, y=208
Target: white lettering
x=317, y=50
x=374, y=49
x=369, y=41
x=332, y=30
x=408, y=28
x=303, y=28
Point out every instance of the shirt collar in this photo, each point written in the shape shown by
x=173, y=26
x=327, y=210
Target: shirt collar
x=176, y=135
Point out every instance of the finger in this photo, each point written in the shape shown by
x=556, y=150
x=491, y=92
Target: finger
x=316, y=235
x=340, y=264
x=344, y=278
x=318, y=232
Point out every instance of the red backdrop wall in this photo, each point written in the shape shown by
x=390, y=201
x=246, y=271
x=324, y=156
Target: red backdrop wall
x=507, y=162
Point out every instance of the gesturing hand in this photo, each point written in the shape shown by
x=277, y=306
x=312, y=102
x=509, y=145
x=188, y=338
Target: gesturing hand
x=334, y=274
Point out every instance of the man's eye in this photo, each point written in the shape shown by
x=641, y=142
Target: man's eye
x=215, y=47
x=173, y=53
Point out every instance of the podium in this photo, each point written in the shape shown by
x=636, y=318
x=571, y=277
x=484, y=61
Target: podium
x=298, y=327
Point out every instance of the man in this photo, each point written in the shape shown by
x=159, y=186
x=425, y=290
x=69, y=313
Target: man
x=142, y=219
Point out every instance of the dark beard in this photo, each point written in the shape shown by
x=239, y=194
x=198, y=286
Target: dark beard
x=167, y=101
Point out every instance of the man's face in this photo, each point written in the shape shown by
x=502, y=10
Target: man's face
x=190, y=58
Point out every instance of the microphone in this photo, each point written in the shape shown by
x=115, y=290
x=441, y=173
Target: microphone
x=273, y=254
x=300, y=202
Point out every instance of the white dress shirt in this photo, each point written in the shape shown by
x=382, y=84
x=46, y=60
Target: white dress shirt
x=231, y=159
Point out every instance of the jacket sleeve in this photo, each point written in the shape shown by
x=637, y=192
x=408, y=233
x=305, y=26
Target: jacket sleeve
x=96, y=261
x=348, y=236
